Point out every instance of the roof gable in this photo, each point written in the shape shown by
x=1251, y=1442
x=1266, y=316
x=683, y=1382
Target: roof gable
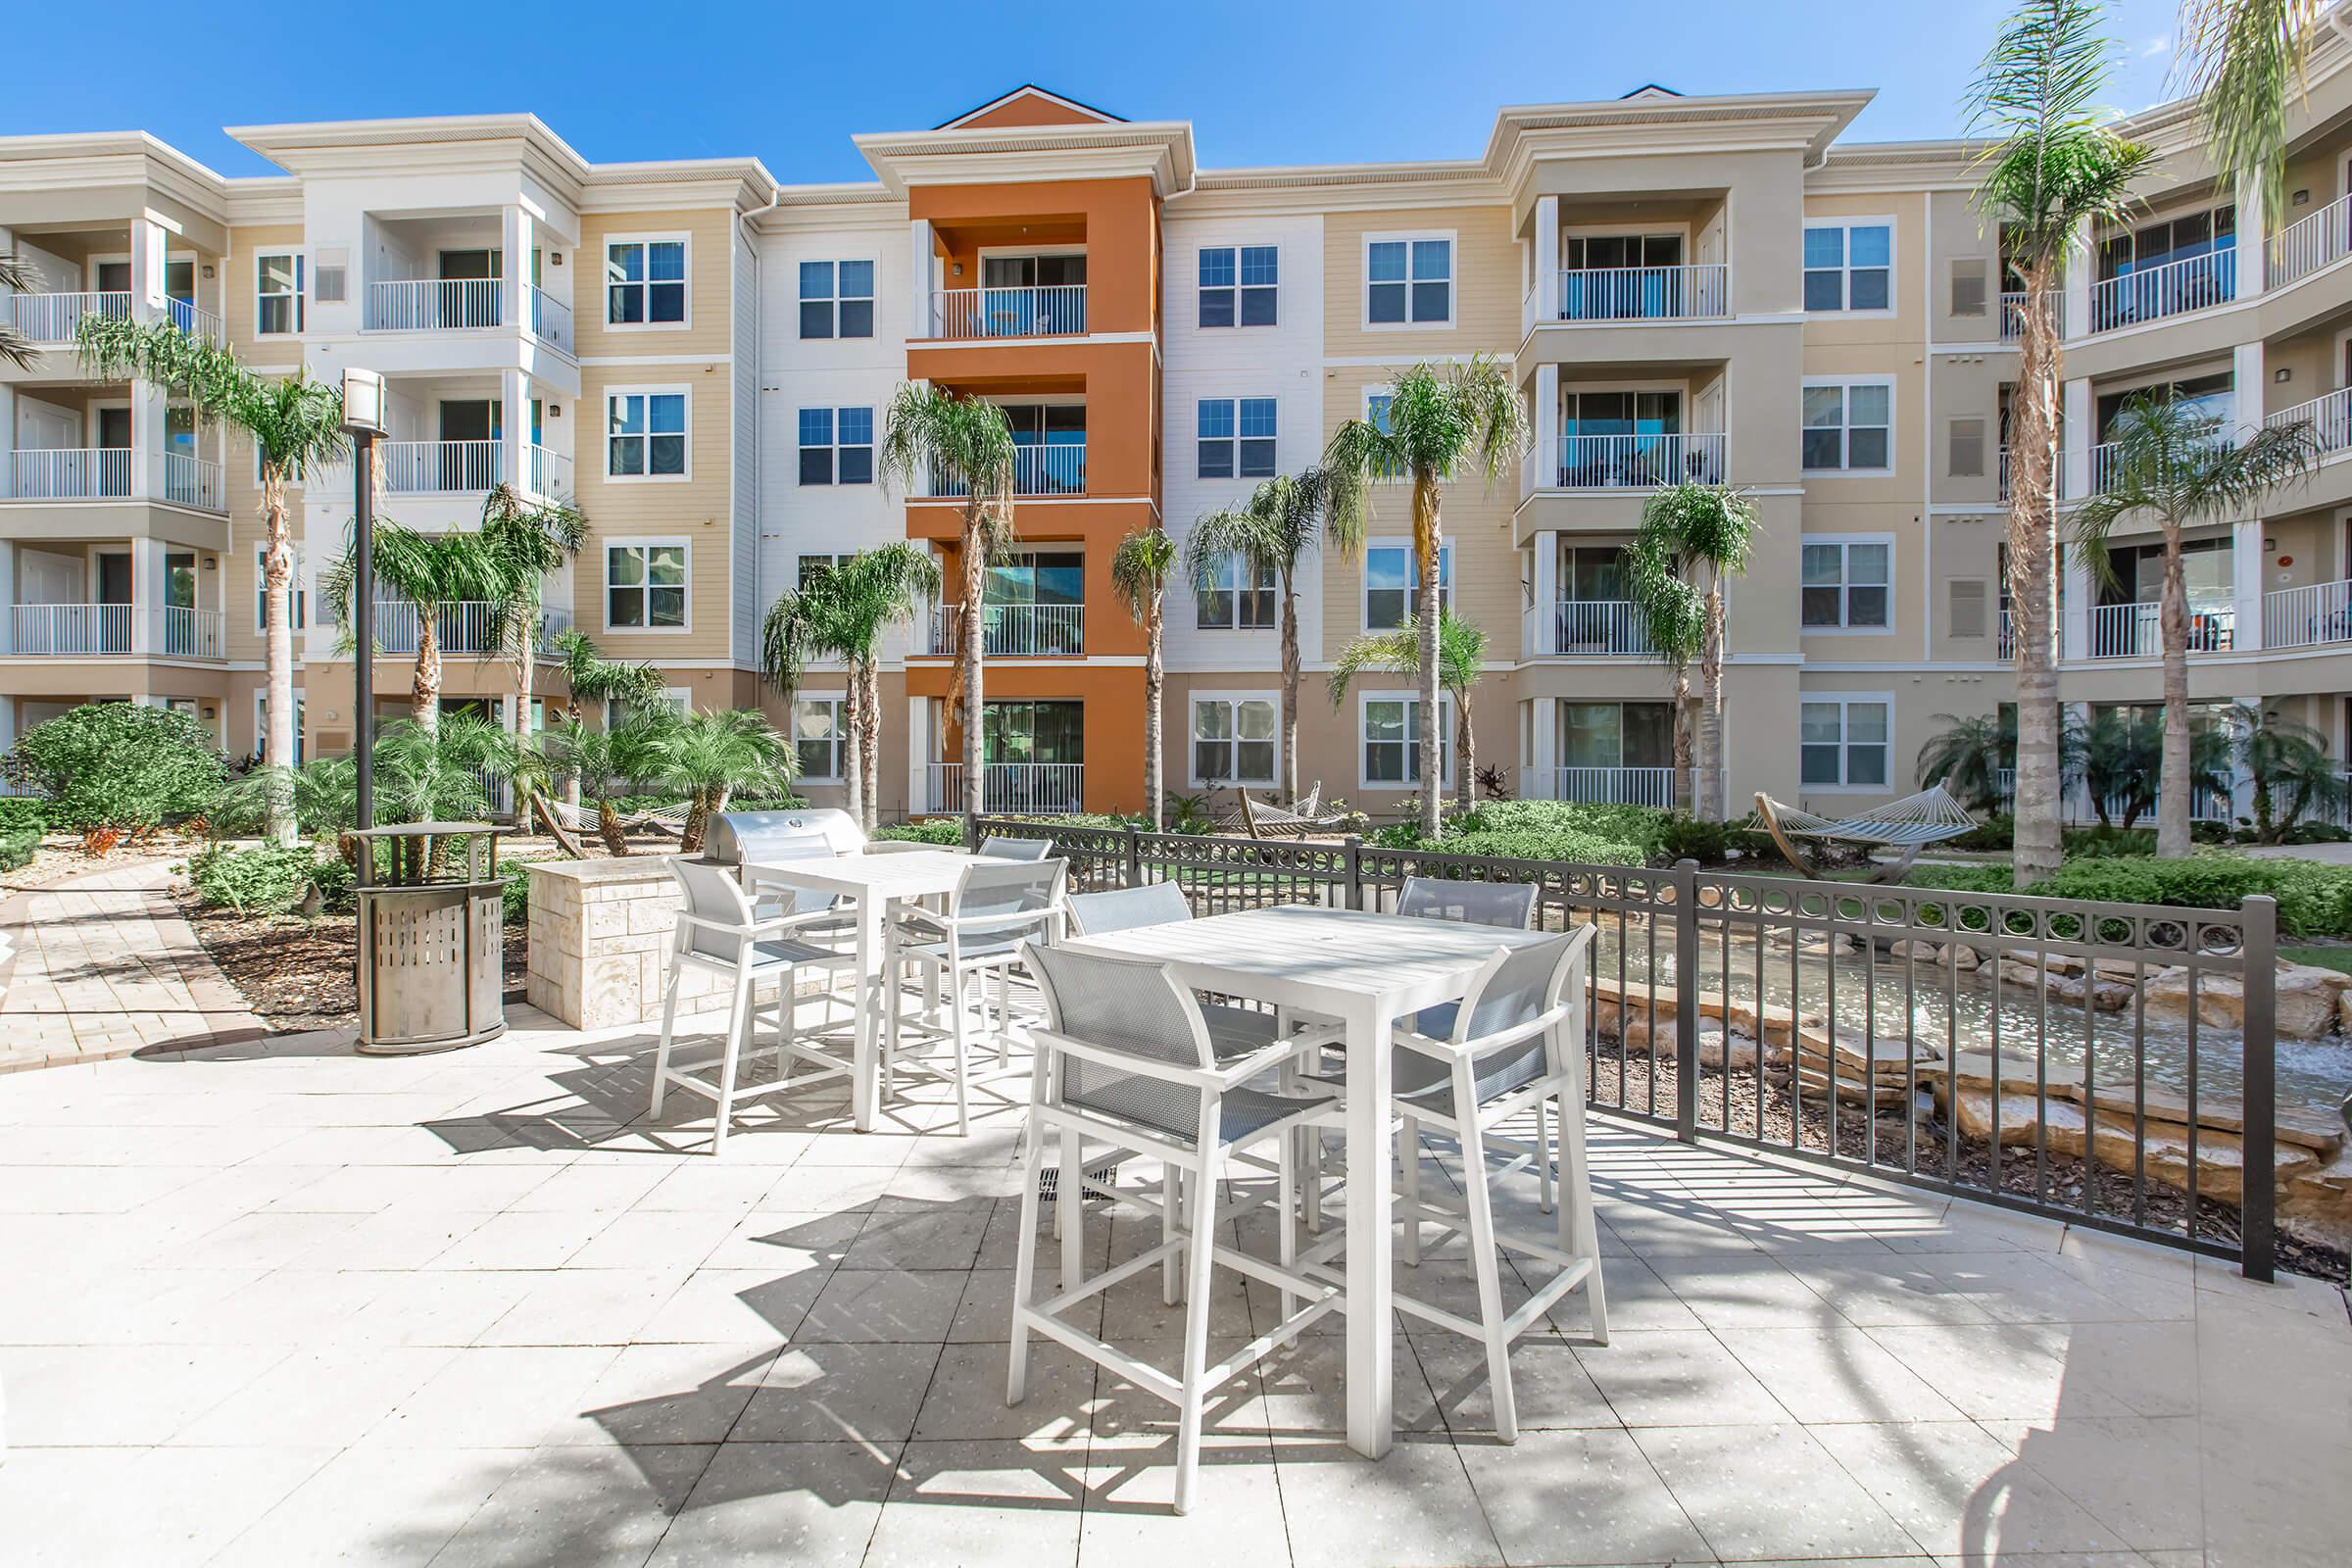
x=1030, y=105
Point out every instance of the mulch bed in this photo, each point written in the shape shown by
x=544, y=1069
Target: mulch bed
x=300, y=972
x=2060, y=1183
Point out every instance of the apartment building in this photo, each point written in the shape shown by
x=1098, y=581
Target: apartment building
x=1720, y=288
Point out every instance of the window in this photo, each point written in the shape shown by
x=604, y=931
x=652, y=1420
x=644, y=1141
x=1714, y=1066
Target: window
x=811, y=567
x=1966, y=446
x=1392, y=588
x=645, y=283
x=1408, y=281
x=644, y=585
x=296, y=609
x=1968, y=285
x=1230, y=604
x=1238, y=285
x=278, y=295
x=1391, y=727
x=817, y=739
x=1845, y=583
x=646, y=435
x=837, y=446
x=1849, y=427
x=1237, y=438
x=837, y=298
x=1843, y=740
x=1613, y=735
x=260, y=723
x=1965, y=606
x=1848, y=265
x=1233, y=740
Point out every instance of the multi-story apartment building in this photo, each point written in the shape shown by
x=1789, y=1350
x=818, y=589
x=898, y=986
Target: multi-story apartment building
x=702, y=358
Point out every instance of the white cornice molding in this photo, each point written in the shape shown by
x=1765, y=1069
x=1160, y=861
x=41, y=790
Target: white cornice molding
x=1002, y=155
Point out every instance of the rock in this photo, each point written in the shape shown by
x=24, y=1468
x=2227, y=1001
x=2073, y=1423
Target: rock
x=2307, y=999
x=2010, y=973
x=2100, y=993
x=2343, y=1011
x=2220, y=1156
x=2055, y=963
x=1718, y=1047
x=1961, y=956
x=2316, y=1203
x=1924, y=951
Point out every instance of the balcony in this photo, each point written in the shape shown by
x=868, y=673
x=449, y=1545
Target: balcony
x=2174, y=289
x=550, y=318
x=1615, y=786
x=105, y=473
x=51, y=320
x=970, y=314
x=2329, y=416
x=2136, y=630
x=549, y=472
x=468, y=626
x=1012, y=789
x=1599, y=627
x=2306, y=246
x=2013, y=315
x=1701, y=292
x=433, y=305
x=1637, y=461
x=1015, y=631
x=1044, y=470
x=130, y=631
x=2308, y=616
x=434, y=467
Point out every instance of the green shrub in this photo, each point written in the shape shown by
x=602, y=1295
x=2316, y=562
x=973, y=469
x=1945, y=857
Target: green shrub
x=1997, y=832
x=263, y=881
x=23, y=812
x=515, y=901
x=16, y=844
x=1683, y=837
x=2313, y=900
x=336, y=880
x=946, y=830
x=115, y=766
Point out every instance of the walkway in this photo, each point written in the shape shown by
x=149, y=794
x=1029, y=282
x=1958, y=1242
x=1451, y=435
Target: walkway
x=104, y=965
x=280, y=1303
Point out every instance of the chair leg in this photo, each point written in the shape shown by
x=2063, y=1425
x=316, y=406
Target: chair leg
x=1311, y=1206
x=963, y=1066
x=1171, y=1202
x=1202, y=1238
x=1579, y=1234
x=1286, y=1231
x=670, y=1029
x=1024, y=1260
x=739, y=1029
x=1544, y=1153
x=1408, y=1189
x=1070, y=1209
x=890, y=1021
x=1485, y=1263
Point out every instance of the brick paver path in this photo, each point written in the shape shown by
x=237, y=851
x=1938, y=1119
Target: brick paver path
x=104, y=965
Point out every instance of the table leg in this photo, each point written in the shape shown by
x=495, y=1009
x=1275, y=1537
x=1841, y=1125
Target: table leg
x=1371, y=1392
x=865, y=1054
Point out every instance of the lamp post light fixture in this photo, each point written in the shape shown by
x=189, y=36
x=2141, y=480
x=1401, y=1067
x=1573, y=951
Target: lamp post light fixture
x=364, y=420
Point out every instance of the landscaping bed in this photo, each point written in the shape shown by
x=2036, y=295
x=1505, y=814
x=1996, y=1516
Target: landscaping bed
x=300, y=972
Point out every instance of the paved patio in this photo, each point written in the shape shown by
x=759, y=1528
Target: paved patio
x=276, y=1303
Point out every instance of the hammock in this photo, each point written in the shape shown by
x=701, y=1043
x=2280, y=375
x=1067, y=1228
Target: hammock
x=1909, y=824
x=1263, y=820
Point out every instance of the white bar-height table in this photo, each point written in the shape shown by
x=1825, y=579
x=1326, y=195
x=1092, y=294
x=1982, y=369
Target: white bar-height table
x=867, y=883
x=1367, y=970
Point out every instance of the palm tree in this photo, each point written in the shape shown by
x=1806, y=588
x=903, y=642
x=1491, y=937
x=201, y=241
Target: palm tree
x=2171, y=460
x=1691, y=534
x=842, y=614
x=528, y=542
x=1271, y=535
x=631, y=750
x=2289, y=769
x=427, y=572
x=594, y=678
x=1139, y=575
x=965, y=447
x=2057, y=169
x=2242, y=60
x=17, y=279
x=296, y=425
x=2118, y=757
x=1969, y=756
x=713, y=752
x=1461, y=659
x=1439, y=417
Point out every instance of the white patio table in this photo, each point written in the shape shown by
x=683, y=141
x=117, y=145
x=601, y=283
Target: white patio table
x=1367, y=970
x=867, y=882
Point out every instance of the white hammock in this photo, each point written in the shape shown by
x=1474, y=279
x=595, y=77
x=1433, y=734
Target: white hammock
x=1909, y=824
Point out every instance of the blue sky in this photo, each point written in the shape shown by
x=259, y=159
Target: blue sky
x=1264, y=83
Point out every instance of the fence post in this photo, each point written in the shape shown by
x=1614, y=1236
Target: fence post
x=2258, y=1215
x=1685, y=1000
x=1134, y=858
x=1351, y=861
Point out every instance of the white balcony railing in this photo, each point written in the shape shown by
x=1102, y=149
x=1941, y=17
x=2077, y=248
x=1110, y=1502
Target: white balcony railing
x=1057, y=470
x=51, y=319
x=1615, y=786
x=549, y=472
x=1015, y=631
x=2104, y=458
x=1015, y=789
x=2074, y=802
x=2307, y=616
x=466, y=626
x=1600, y=626
x=433, y=304
x=2005, y=642
x=1642, y=293
x=439, y=468
x=2329, y=416
x=2013, y=315
x=2305, y=246
x=186, y=480
x=550, y=318
x=1640, y=461
x=71, y=474
x=193, y=320
x=2173, y=288
x=88, y=631
x=2136, y=630
x=960, y=314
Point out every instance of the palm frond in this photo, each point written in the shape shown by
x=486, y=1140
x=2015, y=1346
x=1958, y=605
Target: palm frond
x=2055, y=162
x=2243, y=61
x=1140, y=567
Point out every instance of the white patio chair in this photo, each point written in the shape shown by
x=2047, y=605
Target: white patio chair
x=1125, y=1058
x=1232, y=1031
x=1007, y=848
x=818, y=915
x=719, y=933
x=995, y=907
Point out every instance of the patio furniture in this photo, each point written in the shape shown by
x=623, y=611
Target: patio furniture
x=1005, y=849
x=1125, y=1060
x=432, y=957
x=1232, y=1031
x=1263, y=820
x=997, y=905
x=719, y=933
x=1367, y=970
x=1909, y=824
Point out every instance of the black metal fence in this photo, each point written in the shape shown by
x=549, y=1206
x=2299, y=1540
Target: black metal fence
x=1994, y=1046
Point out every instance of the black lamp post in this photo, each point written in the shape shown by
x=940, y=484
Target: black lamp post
x=363, y=419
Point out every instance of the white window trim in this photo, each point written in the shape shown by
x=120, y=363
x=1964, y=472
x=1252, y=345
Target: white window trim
x=603, y=434
x=605, y=585
x=603, y=283
x=1363, y=594
x=1453, y=283
x=874, y=298
x=1847, y=383
x=836, y=446
x=1235, y=626
x=301, y=295
x=1191, y=756
x=1846, y=699
x=1236, y=399
x=1846, y=541
x=1846, y=269
x=1363, y=778
x=839, y=702
x=1236, y=247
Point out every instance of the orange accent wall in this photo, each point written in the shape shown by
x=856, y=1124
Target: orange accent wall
x=1118, y=221
x=1028, y=109
x=1113, y=696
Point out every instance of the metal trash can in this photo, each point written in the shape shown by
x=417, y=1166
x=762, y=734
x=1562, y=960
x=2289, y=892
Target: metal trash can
x=431, y=942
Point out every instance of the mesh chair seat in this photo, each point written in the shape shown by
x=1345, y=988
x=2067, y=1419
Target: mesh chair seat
x=783, y=952
x=1497, y=904
x=1237, y=1031
x=1010, y=848
x=1166, y=1110
x=1426, y=1084
x=986, y=947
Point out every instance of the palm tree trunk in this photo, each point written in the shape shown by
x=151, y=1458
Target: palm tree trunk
x=424, y=690
x=1290, y=685
x=2033, y=582
x=1707, y=797
x=969, y=655
x=2172, y=771
x=1465, y=751
x=1155, y=678
x=869, y=715
x=1685, y=736
x=1429, y=559
x=608, y=826
x=853, y=754
x=277, y=741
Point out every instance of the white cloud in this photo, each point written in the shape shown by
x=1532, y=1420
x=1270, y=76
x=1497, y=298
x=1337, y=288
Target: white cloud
x=2161, y=44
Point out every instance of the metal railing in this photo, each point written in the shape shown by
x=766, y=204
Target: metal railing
x=2006, y=640
x=51, y=319
x=1015, y=631
x=71, y=474
x=193, y=320
x=1016, y=788
x=2329, y=416
x=466, y=626
x=88, y=631
x=2136, y=630
x=2104, y=458
x=1615, y=786
x=550, y=318
x=1057, y=470
x=2307, y=616
x=1057, y=310
x=439, y=468
x=2173, y=288
x=186, y=480
x=1600, y=626
x=549, y=472
x=433, y=304
x=1814, y=1019
x=2013, y=314
x=1642, y=293
x=1640, y=461
x=183, y=632
x=2305, y=246
x=2079, y=809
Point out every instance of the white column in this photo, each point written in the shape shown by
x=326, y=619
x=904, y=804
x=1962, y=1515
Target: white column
x=918, y=752
x=8, y=625
x=1548, y=426
x=918, y=279
x=514, y=427
x=1546, y=583
x=1546, y=259
x=8, y=440
x=2073, y=639
x=147, y=244
x=2078, y=414
x=2250, y=385
x=515, y=238
x=1544, y=747
x=2253, y=233
x=2081, y=265
x=2247, y=571
x=146, y=593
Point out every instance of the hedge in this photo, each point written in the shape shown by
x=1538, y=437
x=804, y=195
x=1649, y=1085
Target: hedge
x=2313, y=900
x=24, y=810
x=16, y=844
x=947, y=830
